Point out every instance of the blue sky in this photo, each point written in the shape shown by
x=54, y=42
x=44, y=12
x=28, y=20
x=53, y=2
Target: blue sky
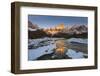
x=52, y=21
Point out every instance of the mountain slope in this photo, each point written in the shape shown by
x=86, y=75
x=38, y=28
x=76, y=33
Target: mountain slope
x=76, y=29
x=31, y=26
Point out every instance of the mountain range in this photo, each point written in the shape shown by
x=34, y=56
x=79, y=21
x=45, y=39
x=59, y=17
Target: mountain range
x=76, y=29
x=69, y=31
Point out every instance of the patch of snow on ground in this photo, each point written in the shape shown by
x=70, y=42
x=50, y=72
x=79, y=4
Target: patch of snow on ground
x=79, y=40
x=35, y=53
x=37, y=41
x=73, y=54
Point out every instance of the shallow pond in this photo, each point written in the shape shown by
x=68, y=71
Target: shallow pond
x=57, y=48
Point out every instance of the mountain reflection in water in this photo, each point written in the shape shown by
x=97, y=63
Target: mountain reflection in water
x=60, y=48
x=56, y=48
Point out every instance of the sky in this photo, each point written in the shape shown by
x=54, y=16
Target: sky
x=44, y=21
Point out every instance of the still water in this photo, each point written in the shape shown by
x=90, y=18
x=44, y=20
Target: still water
x=57, y=48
